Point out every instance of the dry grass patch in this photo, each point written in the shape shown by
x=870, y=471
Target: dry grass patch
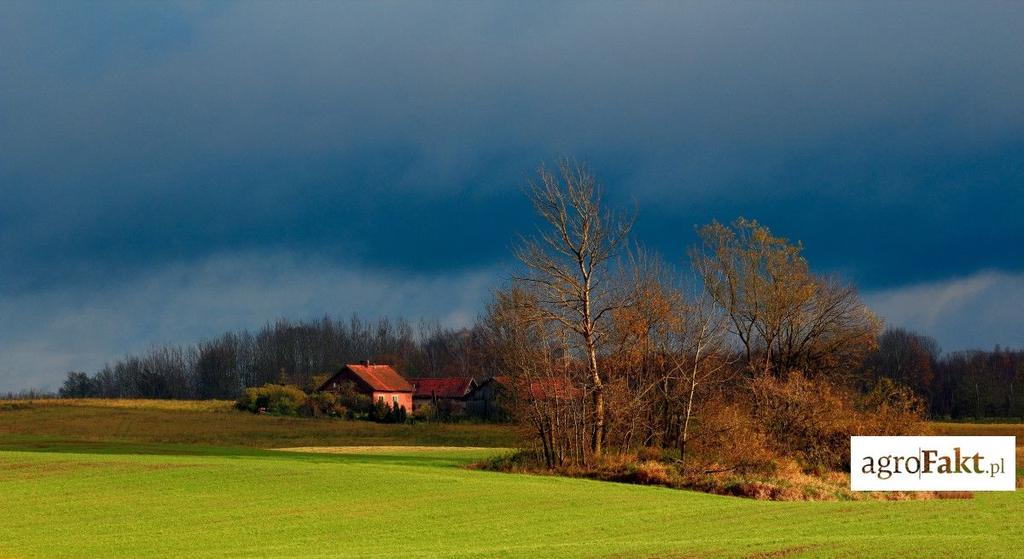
x=979, y=429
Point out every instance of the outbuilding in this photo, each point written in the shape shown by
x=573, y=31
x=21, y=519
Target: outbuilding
x=446, y=394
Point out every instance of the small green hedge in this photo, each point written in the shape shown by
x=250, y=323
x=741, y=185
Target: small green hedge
x=286, y=399
x=276, y=399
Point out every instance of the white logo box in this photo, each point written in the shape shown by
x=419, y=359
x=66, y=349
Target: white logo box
x=933, y=463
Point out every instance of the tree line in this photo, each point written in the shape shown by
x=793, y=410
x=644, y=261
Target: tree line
x=285, y=352
x=974, y=384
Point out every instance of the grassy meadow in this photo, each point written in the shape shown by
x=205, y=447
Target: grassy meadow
x=87, y=481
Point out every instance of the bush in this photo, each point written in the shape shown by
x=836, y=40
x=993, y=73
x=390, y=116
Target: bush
x=318, y=380
x=274, y=399
x=521, y=460
x=728, y=439
x=812, y=420
x=892, y=409
x=323, y=404
x=650, y=453
x=356, y=403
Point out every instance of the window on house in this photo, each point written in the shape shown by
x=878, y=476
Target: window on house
x=394, y=399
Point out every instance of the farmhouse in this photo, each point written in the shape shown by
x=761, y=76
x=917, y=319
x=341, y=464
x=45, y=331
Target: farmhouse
x=379, y=382
x=446, y=394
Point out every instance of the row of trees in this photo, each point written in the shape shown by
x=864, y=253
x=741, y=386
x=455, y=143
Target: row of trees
x=285, y=352
x=975, y=384
x=979, y=384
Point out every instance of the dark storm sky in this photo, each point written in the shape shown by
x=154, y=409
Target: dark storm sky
x=168, y=171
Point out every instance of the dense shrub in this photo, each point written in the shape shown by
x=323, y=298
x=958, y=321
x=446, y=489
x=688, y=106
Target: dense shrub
x=812, y=420
x=278, y=399
x=892, y=409
x=728, y=439
x=446, y=410
x=521, y=460
x=274, y=399
x=441, y=410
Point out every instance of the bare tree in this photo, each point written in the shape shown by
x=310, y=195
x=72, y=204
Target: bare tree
x=568, y=266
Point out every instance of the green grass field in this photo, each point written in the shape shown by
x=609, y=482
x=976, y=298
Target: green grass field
x=66, y=491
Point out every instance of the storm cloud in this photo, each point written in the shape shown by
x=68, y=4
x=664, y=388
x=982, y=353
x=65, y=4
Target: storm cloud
x=388, y=141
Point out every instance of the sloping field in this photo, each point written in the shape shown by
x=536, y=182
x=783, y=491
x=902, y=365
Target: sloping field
x=421, y=504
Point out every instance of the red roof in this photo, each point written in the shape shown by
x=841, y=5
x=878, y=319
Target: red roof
x=381, y=378
x=442, y=387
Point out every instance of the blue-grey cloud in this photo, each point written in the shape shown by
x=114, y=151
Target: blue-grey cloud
x=973, y=312
x=395, y=137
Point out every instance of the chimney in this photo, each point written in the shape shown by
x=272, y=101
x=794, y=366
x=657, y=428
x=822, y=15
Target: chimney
x=366, y=362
